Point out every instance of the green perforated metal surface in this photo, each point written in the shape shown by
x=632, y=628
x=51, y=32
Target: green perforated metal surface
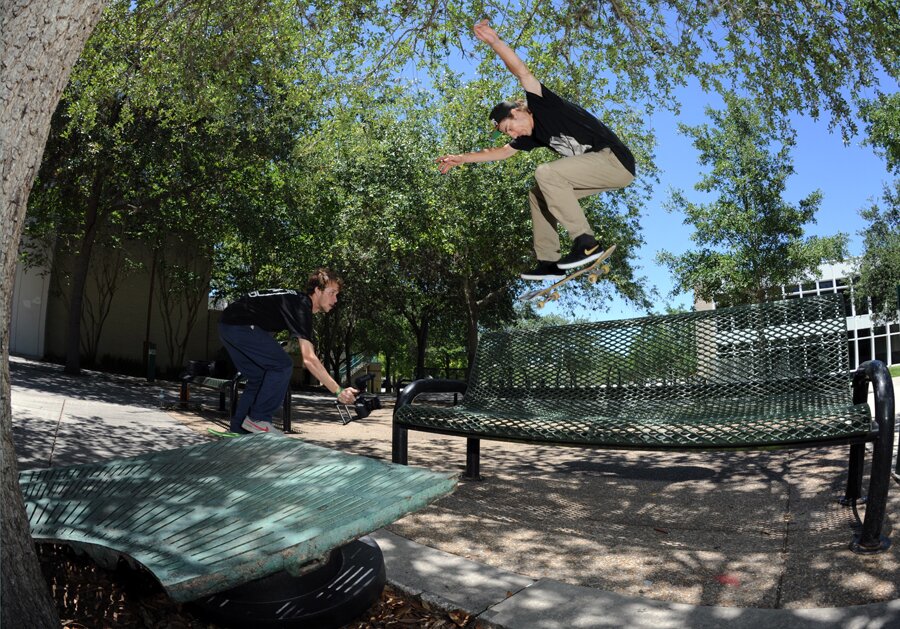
x=212, y=383
x=210, y=517
x=749, y=376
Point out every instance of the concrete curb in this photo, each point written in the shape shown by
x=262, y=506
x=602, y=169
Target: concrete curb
x=513, y=601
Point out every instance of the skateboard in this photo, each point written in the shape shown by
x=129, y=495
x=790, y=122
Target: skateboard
x=224, y=434
x=551, y=293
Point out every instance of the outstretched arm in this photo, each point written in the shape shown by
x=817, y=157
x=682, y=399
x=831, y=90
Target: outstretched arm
x=488, y=35
x=446, y=162
x=317, y=369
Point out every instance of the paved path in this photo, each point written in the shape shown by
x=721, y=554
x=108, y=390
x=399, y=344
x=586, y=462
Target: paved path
x=554, y=537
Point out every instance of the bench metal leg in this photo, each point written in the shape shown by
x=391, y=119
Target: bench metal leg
x=184, y=395
x=233, y=395
x=286, y=412
x=473, y=459
x=870, y=540
x=221, y=401
x=400, y=445
x=855, y=473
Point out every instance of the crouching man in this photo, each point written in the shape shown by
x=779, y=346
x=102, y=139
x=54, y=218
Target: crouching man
x=247, y=329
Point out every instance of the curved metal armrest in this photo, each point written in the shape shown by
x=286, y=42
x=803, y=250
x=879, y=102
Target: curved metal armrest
x=428, y=385
x=877, y=373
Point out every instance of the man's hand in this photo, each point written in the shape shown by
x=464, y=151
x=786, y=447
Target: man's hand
x=348, y=396
x=485, y=33
x=492, y=154
x=446, y=162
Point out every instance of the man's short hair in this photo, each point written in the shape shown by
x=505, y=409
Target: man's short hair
x=320, y=278
x=502, y=110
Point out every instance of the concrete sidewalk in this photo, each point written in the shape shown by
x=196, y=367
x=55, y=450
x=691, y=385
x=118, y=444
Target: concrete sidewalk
x=553, y=537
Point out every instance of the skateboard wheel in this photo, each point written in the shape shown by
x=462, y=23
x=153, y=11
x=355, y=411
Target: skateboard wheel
x=593, y=277
x=541, y=304
x=605, y=268
x=554, y=296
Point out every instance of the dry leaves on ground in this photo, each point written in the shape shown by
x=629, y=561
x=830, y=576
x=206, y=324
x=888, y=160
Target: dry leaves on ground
x=89, y=597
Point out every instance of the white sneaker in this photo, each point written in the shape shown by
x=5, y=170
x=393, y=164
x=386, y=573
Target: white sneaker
x=258, y=426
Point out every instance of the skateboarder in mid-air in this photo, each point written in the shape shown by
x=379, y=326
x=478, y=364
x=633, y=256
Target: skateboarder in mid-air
x=246, y=330
x=594, y=160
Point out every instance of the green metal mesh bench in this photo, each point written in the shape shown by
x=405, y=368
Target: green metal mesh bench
x=224, y=386
x=771, y=375
x=208, y=517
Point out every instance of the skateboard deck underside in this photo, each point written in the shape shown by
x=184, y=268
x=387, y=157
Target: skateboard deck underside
x=594, y=270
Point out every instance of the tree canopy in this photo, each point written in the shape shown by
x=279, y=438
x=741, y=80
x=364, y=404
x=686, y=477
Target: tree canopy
x=882, y=117
x=233, y=122
x=879, y=267
x=880, y=264
x=750, y=241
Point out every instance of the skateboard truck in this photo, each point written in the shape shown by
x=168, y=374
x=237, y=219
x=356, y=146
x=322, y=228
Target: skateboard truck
x=364, y=404
x=594, y=270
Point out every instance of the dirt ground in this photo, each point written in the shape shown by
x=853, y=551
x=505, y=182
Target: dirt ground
x=90, y=597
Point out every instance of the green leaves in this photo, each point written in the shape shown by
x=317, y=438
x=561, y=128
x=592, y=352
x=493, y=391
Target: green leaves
x=749, y=240
x=880, y=266
x=284, y=134
x=882, y=116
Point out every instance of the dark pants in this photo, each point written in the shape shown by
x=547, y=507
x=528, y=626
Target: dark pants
x=265, y=365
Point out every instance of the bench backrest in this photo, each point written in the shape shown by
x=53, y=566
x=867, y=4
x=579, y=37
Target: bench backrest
x=797, y=345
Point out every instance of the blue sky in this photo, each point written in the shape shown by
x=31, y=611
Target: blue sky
x=849, y=177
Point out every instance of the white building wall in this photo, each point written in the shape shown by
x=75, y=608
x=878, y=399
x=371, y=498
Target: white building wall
x=864, y=341
x=29, y=312
x=39, y=319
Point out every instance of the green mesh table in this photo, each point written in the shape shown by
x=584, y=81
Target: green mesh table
x=209, y=517
x=768, y=375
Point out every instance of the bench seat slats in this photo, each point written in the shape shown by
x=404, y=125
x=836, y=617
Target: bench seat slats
x=209, y=382
x=209, y=517
x=655, y=425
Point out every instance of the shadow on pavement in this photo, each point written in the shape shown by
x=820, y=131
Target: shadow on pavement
x=741, y=529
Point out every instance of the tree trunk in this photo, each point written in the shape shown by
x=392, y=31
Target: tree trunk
x=39, y=44
x=421, y=347
x=80, y=275
x=472, y=310
x=420, y=331
x=348, y=355
x=107, y=280
x=183, y=290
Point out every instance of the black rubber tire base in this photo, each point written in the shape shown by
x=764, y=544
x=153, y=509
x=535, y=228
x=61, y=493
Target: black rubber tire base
x=334, y=595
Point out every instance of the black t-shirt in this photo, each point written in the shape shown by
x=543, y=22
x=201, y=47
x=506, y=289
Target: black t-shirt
x=273, y=310
x=569, y=130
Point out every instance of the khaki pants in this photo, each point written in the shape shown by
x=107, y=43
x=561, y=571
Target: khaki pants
x=554, y=200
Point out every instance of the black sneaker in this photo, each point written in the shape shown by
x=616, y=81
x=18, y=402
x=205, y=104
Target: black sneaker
x=586, y=249
x=544, y=271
